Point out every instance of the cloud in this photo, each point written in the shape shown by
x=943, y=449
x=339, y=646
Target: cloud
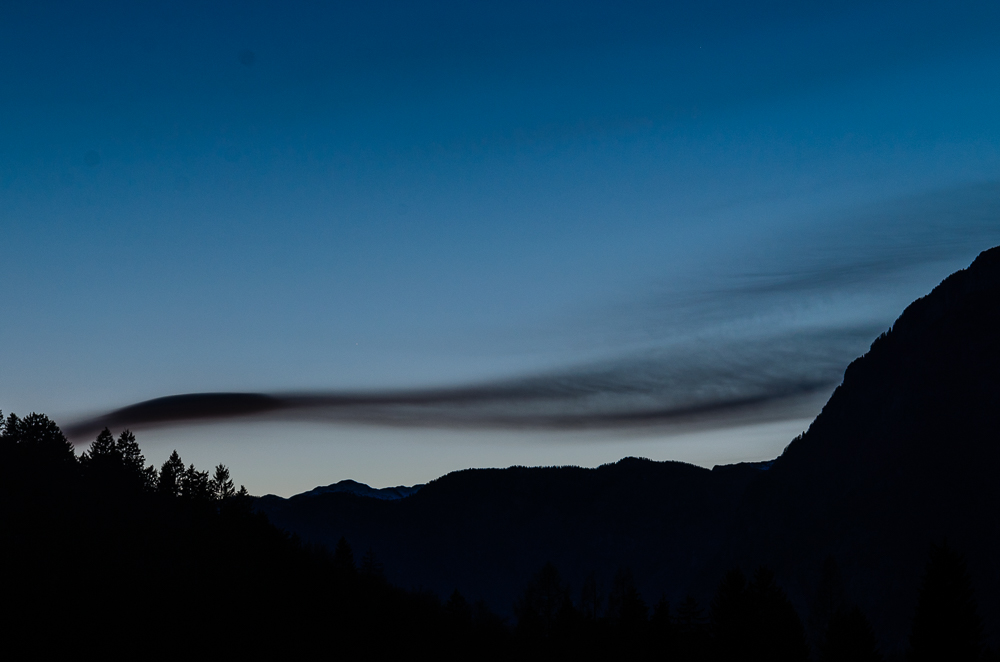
x=731, y=352
x=718, y=384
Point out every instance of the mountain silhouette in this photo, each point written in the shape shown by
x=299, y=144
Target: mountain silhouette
x=903, y=456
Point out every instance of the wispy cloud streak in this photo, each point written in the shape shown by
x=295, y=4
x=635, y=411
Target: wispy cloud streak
x=730, y=381
x=725, y=354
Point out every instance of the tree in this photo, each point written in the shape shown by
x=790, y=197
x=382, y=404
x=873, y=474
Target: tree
x=691, y=634
x=131, y=455
x=221, y=485
x=169, y=483
x=661, y=625
x=102, y=450
x=730, y=617
x=946, y=624
x=371, y=567
x=545, y=601
x=343, y=560
x=625, y=605
x=849, y=638
x=195, y=485
x=36, y=439
x=118, y=464
x=829, y=597
x=458, y=609
x=777, y=632
x=591, y=598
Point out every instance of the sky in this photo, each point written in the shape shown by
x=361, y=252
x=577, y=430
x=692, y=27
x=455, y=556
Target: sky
x=447, y=235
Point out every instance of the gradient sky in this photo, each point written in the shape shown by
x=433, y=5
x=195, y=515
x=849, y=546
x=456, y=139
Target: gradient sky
x=684, y=198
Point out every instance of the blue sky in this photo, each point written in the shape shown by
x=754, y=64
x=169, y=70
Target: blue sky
x=686, y=199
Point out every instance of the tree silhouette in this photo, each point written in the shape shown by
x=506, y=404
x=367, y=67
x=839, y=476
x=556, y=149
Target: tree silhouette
x=117, y=465
x=829, y=597
x=343, y=560
x=54, y=506
x=946, y=624
x=849, y=638
x=730, y=616
x=133, y=462
x=195, y=485
x=458, y=608
x=36, y=439
x=591, y=598
x=544, y=602
x=661, y=626
x=371, y=567
x=777, y=632
x=221, y=485
x=102, y=449
x=625, y=605
x=691, y=632
x=171, y=473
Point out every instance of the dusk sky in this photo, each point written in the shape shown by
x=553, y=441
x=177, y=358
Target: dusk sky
x=643, y=209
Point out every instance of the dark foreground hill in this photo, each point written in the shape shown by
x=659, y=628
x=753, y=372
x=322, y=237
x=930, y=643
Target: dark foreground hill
x=906, y=452
x=904, y=455
x=485, y=531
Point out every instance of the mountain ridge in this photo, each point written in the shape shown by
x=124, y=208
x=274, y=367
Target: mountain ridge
x=902, y=456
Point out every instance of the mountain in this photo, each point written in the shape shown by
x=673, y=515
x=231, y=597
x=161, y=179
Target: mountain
x=360, y=489
x=904, y=454
x=486, y=531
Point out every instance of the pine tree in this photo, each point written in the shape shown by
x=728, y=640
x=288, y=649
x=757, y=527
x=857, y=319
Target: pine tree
x=661, y=625
x=102, y=450
x=171, y=472
x=591, y=598
x=946, y=625
x=130, y=453
x=371, y=567
x=849, y=638
x=777, y=632
x=829, y=598
x=691, y=633
x=544, y=601
x=730, y=618
x=343, y=560
x=195, y=485
x=36, y=439
x=221, y=485
x=624, y=602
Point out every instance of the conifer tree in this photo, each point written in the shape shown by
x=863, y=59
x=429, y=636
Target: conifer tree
x=36, y=438
x=730, y=617
x=691, y=633
x=371, y=567
x=776, y=631
x=661, y=625
x=849, y=638
x=458, y=608
x=102, y=450
x=130, y=453
x=171, y=472
x=829, y=598
x=591, y=598
x=221, y=485
x=544, y=601
x=946, y=624
x=343, y=560
x=195, y=485
x=624, y=602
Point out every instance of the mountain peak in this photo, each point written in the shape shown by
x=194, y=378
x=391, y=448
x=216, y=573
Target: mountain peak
x=360, y=489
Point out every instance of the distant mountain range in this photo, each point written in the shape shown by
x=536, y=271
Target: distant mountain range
x=905, y=453
x=360, y=489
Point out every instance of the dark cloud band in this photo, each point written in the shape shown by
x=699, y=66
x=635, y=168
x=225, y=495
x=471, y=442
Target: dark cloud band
x=712, y=386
